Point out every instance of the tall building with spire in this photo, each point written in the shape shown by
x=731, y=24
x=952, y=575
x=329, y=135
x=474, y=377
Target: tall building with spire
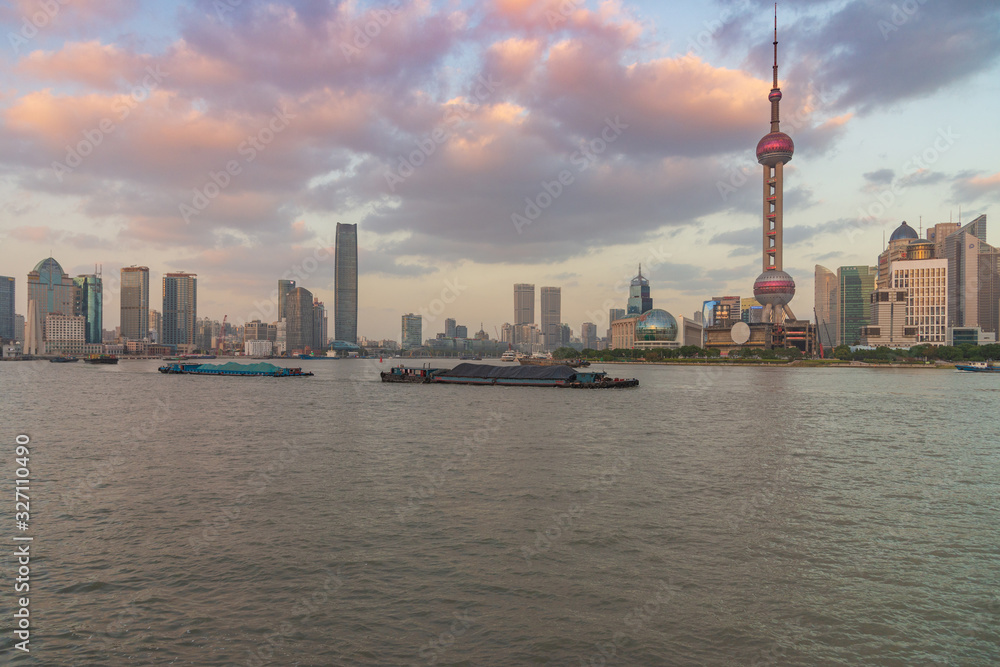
x=774, y=288
x=639, y=300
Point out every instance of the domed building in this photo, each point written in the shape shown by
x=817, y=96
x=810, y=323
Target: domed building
x=904, y=233
x=654, y=329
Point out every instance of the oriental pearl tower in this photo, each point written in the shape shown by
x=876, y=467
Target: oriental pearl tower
x=774, y=288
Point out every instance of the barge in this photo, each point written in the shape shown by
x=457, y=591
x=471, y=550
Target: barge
x=233, y=368
x=101, y=359
x=978, y=367
x=517, y=376
x=63, y=360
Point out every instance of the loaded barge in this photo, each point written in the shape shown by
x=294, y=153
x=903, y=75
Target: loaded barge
x=516, y=376
x=233, y=368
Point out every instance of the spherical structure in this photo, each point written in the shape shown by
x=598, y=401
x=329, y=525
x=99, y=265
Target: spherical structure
x=775, y=288
x=774, y=148
x=774, y=96
x=656, y=324
x=904, y=233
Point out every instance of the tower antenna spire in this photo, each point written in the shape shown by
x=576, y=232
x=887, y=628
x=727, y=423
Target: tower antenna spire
x=776, y=45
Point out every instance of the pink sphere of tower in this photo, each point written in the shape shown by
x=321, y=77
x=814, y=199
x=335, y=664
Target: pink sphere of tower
x=774, y=287
x=774, y=148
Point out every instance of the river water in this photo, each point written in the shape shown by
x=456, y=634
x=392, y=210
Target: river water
x=737, y=516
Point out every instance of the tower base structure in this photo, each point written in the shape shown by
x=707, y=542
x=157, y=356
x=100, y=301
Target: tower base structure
x=800, y=334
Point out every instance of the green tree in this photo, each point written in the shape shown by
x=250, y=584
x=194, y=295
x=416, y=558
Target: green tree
x=842, y=352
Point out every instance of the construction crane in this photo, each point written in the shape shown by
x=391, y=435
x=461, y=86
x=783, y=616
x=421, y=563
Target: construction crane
x=222, y=333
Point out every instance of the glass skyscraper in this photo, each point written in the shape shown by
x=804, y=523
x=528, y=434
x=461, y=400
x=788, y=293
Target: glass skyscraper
x=284, y=287
x=51, y=290
x=7, y=308
x=551, y=316
x=180, y=308
x=300, y=327
x=345, y=284
x=826, y=297
x=854, y=307
x=411, y=331
x=639, y=300
x=135, y=303
x=90, y=304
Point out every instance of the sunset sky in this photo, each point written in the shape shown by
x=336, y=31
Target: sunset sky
x=228, y=137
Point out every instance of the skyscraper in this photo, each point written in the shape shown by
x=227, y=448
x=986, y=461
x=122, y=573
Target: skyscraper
x=411, y=332
x=524, y=304
x=6, y=308
x=300, y=332
x=551, y=316
x=588, y=335
x=89, y=302
x=51, y=290
x=155, y=326
x=449, y=328
x=320, y=332
x=135, y=302
x=639, y=300
x=827, y=289
x=180, y=308
x=855, y=285
x=774, y=288
x=284, y=287
x=345, y=284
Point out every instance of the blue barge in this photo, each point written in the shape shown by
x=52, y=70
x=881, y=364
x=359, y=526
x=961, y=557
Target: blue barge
x=233, y=368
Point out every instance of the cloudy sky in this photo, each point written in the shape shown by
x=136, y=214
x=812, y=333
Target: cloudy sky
x=480, y=144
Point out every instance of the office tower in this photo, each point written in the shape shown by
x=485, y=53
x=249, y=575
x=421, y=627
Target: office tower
x=989, y=289
x=827, y=288
x=461, y=331
x=155, y=326
x=855, y=285
x=961, y=249
x=588, y=335
x=926, y=284
x=7, y=308
x=411, y=334
x=51, y=290
x=751, y=310
x=18, y=327
x=180, y=308
x=89, y=302
x=639, y=300
x=449, y=328
x=551, y=316
x=614, y=314
x=507, y=333
x=524, y=304
x=135, y=302
x=774, y=288
x=725, y=310
x=320, y=331
x=345, y=286
x=300, y=332
x=284, y=287
x=65, y=334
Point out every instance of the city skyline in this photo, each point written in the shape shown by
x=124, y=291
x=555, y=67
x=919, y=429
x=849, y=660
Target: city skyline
x=660, y=103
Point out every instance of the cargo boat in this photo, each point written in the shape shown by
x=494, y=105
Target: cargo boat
x=510, y=376
x=101, y=359
x=233, y=368
x=63, y=360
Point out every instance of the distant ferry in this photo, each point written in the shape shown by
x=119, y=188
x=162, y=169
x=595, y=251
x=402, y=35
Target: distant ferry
x=536, y=361
x=101, y=359
x=509, y=355
x=977, y=367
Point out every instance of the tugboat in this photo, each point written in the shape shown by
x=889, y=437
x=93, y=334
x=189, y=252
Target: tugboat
x=101, y=359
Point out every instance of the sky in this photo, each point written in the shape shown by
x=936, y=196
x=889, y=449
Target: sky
x=482, y=144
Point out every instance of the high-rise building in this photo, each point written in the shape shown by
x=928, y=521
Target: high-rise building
x=827, y=306
x=135, y=302
x=51, y=290
x=524, y=304
x=639, y=300
x=588, y=335
x=613, y=314
x=855, y=285
x=6, y=308
x=155, y=326
x=551, y=316
x=961, y=249
x=180, y=308
x=411, y=333
x=507, y=333
x=461, y=331
x=284, y=287
x=300, y=332
x=774, y=288
x=989, y=289
x=89, y=302
x=926, y=285
x=320, y=331
x=345, y=304
x=449, y=328
x=18, y=327
x=65, y=333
